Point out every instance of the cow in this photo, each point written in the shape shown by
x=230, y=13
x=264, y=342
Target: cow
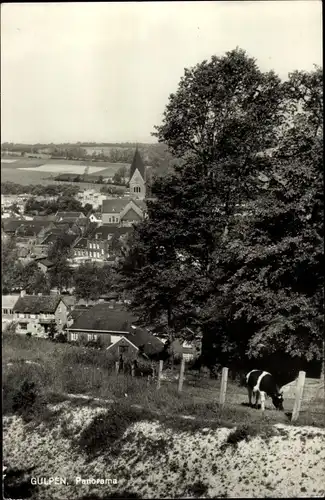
x=262, y=383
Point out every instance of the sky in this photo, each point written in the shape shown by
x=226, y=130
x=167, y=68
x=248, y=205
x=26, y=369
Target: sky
x=102, y=72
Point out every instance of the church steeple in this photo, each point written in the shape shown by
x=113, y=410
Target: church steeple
x=137, y=163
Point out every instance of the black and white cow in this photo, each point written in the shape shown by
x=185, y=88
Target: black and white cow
x=262, y=383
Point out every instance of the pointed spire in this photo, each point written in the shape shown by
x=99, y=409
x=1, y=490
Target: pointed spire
x=137, y=163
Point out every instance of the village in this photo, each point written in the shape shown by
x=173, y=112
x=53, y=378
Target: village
x=94, y=238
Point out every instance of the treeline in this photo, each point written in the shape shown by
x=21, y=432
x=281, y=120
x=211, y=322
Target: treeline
x=253, y=284
x=39, y=189
x=64, y=203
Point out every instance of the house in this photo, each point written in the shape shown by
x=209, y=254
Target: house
x=107, y=323
x=80, y=249
x=44, y=264
x=7, y=307
x=123, y=211
x=137, y=180
x=96, y=217
x=35, y=313
x=69, y=215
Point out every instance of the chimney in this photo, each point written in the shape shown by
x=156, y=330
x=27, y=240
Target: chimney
x=22, y=293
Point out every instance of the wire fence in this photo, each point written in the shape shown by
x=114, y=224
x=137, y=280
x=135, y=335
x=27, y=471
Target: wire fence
x=303, y=398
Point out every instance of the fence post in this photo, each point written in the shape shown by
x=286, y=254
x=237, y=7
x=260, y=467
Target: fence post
x=117, y=366
x=223, y=388
x=132, y=370
x=159, y=373
x=299, y=391
x=181, y=375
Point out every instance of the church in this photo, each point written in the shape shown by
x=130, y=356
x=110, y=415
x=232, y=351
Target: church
x=130, y=209
x=137, y=180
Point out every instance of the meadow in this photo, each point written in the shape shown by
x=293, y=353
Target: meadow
x=31, y=171
x=68, y=369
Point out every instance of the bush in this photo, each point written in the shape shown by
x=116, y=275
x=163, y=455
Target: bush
x=107, y=428
x=246, y=432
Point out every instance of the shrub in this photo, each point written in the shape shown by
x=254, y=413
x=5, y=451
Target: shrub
x=17, y=484
x=107, y=428
x=246, y=432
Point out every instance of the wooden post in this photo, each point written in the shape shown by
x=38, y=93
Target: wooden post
x=159, y=373
x=132, y=370
x=223, y=388
x=181, y=375
x=299, y=391
x=117, y=366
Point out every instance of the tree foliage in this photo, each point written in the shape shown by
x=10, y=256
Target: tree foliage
x=233, y=241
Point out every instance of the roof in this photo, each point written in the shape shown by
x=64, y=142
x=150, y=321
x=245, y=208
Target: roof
x=141, y=337
x=8, y=301
x=102, y=317
x=82, y=243
x=35, y=304
x=105, y=231
x=69, y=215
x=45, y=218
x=141, y=203
x=114, y=205
x=10, y=225
x=137, y=163
x=69, y=300
x=29, y=227
x=46, y=262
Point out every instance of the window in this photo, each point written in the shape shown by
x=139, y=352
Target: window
x=102, y=252
x=60, y=321
x=92, y=336
x=23, y=326
x=97, y=246
x=123, y=349
x=110, y=219
x=74, y=336
x=5, y=311
x=113, y=219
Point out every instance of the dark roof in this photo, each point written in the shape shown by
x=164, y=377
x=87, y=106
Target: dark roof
x=76, y=313
x=137, y=163
x=141, y=203
x=69, y=300
x=35, y=304
x=82, y=243
x=46, y=262
x=69, y=215
x=28, y=227
x=44, y=218
x=52, y=237
x=114, y=205
x=11, y=225
x=102, y=317
x=103, y=232
x=142, y=337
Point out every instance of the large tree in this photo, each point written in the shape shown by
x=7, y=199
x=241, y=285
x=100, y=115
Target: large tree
x=224, y=113
x=277, y=289
x=247, y=142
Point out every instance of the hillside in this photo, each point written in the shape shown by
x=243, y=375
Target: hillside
x=150, y=460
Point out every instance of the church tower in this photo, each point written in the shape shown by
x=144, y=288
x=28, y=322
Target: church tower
x=137, y=177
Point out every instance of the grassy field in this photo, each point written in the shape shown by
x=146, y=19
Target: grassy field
x=14, y=172
x=67, y=369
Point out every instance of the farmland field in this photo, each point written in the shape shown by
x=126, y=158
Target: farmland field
x=25, y=170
